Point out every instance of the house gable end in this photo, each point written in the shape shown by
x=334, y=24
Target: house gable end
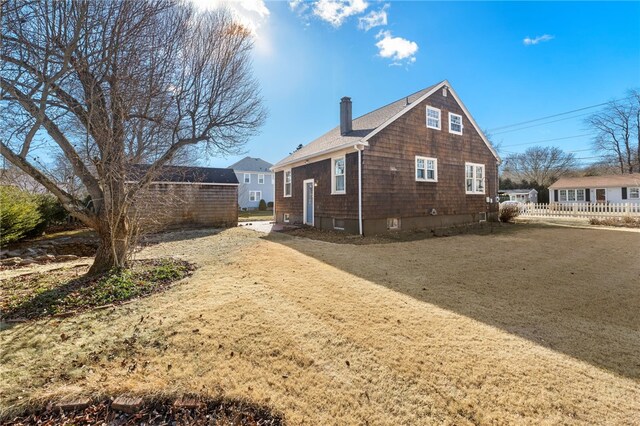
x=434, y=92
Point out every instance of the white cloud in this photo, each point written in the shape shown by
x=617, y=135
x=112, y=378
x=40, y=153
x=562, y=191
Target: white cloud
x=529, y=41
x=373, y=19
x=397, y=49
x=250, y=13
x=336, y=11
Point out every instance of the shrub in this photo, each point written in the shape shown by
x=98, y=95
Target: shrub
x=262, y=206
x=19, y=214
x=626, y=222
x=51, y=211
x=508, y=213
x=270, y=204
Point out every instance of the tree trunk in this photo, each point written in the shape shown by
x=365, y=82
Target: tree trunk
x=113, y=250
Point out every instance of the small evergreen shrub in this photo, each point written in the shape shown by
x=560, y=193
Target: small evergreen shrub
x=262, y=206
x=270, y=204
x=19, y=214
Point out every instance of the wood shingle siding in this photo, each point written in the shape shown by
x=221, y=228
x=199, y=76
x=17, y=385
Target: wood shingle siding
x=391, y=138
x=169, y=205
x=389, y=185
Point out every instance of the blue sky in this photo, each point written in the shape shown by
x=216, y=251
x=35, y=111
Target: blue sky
x=509, y=62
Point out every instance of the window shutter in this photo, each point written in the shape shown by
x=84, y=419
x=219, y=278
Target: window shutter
x=624, y=193
x=587, y=195
x=555, y=195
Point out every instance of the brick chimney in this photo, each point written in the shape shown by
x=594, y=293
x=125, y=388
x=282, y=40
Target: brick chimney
x=345, y=115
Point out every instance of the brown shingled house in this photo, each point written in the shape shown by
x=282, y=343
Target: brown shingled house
x=419, y=162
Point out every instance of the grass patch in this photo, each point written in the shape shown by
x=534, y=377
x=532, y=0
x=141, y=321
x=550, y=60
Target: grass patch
x=255, y=215
x=39, y=295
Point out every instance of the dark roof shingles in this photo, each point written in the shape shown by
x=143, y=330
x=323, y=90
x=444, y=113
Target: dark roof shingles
x=187, y=174
x=362, y=126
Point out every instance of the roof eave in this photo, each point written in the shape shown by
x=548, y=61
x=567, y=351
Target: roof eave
x=283, y=164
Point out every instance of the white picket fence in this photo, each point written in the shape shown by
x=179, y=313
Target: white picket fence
x=584, y=210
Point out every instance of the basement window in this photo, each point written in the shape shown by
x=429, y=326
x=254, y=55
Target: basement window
x=393, y=223
x=338, y=224
x=285, y=218
x=482, y=216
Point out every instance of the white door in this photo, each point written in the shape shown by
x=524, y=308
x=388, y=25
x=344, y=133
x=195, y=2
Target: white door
x=308, y=201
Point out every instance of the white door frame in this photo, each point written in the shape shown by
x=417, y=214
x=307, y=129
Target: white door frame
x=304, y=201
x=595, y=195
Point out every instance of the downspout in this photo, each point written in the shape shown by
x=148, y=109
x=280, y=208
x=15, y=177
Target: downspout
x=359, y=186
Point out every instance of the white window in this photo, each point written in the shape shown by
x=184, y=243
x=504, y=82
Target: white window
x=474, y=178
x=337, y=176
x=563, y=195
x=260, y=179
x=286, y=218
x=426, y=169
x=255, y=195
x=571, y=195
x=579, y=194
x=247, y=178
x=634, y=192
x=455, y=124
x=287, y=183
x=433, y=118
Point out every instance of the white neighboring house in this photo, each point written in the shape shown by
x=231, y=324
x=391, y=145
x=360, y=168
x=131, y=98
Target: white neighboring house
x=521, y=195
x=597, y=189
x=256, y=182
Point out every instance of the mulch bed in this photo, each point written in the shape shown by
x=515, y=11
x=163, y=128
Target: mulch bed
x=210, y=412
x=341, y=237
x=67, y=291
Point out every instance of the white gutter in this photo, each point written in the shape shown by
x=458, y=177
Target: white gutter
x=359, y=186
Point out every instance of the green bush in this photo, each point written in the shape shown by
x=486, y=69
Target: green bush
x=19, y=214
x=262, y=206
x=51, y=212
x=270, y=204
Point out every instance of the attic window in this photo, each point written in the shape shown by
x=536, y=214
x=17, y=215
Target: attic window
x=455, y=123
x=444, y=92
x=433, y=118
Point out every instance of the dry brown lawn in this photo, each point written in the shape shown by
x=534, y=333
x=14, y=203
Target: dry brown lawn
x=535, y=325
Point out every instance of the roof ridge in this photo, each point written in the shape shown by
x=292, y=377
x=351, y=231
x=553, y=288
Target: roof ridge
x=398, y=100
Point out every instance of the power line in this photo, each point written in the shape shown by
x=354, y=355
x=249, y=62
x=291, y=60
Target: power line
x=547, y=140
x=557, y=115
x=541, y=124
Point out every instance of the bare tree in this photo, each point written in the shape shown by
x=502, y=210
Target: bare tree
x=543, y=165
x=617, y=129
x=110, y=83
